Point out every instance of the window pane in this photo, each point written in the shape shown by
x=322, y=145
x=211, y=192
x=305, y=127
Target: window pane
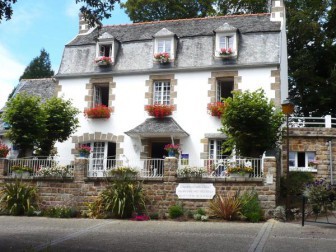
x=224, y=89
x=310, y=156
x=222, y=42
x=168, y=46
x=161, y=92
x=292, y=159
x=105, y=50
x=160, y=46
x=301, y=159
x=230, y=41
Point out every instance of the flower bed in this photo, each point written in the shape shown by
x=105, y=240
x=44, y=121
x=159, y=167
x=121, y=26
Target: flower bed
x=159, y=110
x=216, y=108
x=100, y=111
x=162, y=57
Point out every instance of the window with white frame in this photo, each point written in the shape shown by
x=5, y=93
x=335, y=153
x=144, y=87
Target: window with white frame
x=216, y=149
x=161, y=92
x=103, y=155
x=164, y=45
x=224, y=88
x=104, y=50
x=301, y=159
x=101, y=95
x=226, y=41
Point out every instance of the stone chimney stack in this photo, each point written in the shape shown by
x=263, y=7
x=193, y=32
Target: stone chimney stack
x=83, y=25
x=278, y=10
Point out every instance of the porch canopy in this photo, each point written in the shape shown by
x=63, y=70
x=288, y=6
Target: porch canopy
x=153, y=127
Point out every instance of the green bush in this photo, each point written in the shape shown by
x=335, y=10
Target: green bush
x=60, y=212
x=18, y=198
x=175, y=211
x=250, y=206
x=296, y=183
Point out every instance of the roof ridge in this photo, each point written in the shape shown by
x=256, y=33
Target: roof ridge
x=37, y=79
x=189, y=19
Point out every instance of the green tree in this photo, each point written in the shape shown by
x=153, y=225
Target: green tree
x=93, y=10
x=235, y=7
x=36, y=125
x=152, y=10
x=312, y=55
x=27, y=120
x=61, y=122
x=39, y=67
x=251, y=123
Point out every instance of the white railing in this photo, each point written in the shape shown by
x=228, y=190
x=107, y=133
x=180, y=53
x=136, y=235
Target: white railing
x=301, y=122
x=219, y=167
x=36, y=164
x=146, y=167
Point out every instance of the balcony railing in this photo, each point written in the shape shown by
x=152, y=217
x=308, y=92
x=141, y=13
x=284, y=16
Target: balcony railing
x=147, y=167
x=302, y=122
x=219, y=167
x=37, y=164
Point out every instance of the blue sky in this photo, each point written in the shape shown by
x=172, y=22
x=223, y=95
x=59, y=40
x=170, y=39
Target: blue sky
x=38, y=24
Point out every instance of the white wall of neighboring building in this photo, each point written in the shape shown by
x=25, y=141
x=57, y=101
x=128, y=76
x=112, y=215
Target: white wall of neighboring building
x=191, y=114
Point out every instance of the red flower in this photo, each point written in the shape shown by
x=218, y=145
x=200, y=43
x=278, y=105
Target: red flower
x=100, y=111
x=159, y=110
x=216, y=108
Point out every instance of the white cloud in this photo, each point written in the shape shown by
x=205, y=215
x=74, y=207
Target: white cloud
x=10, y=72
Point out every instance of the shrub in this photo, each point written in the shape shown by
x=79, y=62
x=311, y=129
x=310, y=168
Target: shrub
x=60, y=212
x=295, y=183
x=175, y=211
x=250, y=206
x=18, y=198
x=227, y=208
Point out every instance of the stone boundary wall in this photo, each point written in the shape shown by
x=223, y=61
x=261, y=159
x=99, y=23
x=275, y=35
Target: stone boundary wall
x=80, y=190
x=316, y=140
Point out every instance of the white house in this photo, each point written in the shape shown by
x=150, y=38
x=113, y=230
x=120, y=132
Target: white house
x=196, y=75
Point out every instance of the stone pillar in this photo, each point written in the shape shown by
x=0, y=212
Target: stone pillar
x=80, y=170
x=268, y=200
x=170, y=169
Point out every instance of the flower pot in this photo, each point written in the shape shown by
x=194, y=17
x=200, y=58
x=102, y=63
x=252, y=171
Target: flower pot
x=20, y=175
x=239, y=175
x=83, y=154
x=171, y=153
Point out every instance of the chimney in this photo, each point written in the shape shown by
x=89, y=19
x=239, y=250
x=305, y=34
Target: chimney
x=277, y=10
x=83, y=25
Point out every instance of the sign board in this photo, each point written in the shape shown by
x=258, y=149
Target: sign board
x=195, y=191
x=184, y=159
x=269, y=178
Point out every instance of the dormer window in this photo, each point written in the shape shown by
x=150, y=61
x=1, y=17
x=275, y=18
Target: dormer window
x=106, y=49
x=164, y=43
x=226, y=41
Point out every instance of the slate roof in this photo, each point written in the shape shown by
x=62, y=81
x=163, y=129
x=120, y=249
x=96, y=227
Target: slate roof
x=183, y=28
x=44, y=88
x=153, y=127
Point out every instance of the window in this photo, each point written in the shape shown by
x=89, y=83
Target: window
x=101, y=95
x=164, y=45
x=216, y=149
x=105, y=50
x=299, y=160
x=161, y=92
x=103, y=155
x=226, y=42
x=224, y=88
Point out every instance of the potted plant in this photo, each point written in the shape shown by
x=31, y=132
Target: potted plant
x=3, y=150
x=103, y=61
x=162, y=57
x=190, y=172
x=84, y=151
x=226, y=52
x=239, y=171
x=172, y=149
x=313, y=163
x=19, y=171
x=55, y=171
x=99, y=111
x=216, y=108
x=159, y=110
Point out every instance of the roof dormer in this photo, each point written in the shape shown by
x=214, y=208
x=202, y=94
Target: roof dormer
x=226, y=44
x=165, y=42
x=107, y=48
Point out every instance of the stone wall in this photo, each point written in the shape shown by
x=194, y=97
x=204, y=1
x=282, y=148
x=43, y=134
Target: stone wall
x=316, y=140
x=161, y=192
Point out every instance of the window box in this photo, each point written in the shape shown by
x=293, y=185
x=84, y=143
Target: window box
x=226, y=53
x=100, y=111
x=216, y=108
x=103, y=61
x=159, y=110
x=162, y=58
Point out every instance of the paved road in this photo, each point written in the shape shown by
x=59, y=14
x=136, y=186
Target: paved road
x=46, y=234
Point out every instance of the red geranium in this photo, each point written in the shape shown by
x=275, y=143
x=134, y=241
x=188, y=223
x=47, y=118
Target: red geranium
x=100, y=111
x=159, y=110
x=216, y=108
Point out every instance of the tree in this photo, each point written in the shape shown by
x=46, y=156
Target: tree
x=152, y=10
x=39, y=67
x=251, y=123
x=235, y=7
x=61, y=122
x=93, y=10
x=39, y=126
x=312, y=55
x=27, y=120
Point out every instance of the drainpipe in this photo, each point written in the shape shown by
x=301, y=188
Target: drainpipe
x=331, y=163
